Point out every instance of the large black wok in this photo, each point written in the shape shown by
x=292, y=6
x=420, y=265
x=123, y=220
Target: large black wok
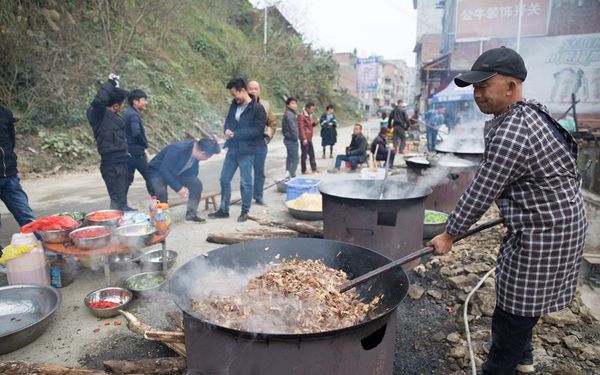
x=352, y=259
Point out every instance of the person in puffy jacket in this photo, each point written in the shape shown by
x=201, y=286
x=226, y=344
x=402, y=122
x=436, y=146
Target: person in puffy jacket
x=356, y=153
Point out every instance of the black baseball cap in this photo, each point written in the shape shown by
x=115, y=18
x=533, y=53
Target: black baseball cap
x=500, y=60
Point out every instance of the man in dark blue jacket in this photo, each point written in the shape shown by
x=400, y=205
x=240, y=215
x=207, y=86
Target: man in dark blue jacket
x=244, y=129
x=111, y=140
x=176, y=166
x=136, y=138
x=11, y=192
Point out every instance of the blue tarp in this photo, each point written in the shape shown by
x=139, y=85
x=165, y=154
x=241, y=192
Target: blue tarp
x=453, y=93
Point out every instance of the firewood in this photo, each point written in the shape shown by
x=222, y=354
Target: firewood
x=138, y=327
x=300, y=227
x=164, y=336
x=190, y=135
x=229, y=238
x=166, y=365
x=24, y=368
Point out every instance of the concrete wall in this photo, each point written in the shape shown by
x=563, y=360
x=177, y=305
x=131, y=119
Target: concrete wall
x=592, y=207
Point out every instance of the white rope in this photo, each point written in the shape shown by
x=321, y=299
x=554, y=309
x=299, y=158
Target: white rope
x=465, y=312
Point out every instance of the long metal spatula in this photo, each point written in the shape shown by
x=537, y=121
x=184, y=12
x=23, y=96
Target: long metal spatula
x=417, y=254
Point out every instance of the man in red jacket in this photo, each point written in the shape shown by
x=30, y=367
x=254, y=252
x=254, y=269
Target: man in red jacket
x=305, y=126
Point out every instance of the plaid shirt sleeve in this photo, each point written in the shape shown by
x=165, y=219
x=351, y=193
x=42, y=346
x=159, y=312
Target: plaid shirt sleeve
x=504, y=162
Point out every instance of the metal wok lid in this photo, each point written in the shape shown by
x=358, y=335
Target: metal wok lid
x=187, y=281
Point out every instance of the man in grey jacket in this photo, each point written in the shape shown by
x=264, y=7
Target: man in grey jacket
x=289, y=127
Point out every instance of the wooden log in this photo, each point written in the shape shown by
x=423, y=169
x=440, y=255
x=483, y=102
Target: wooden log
x=166, y=365
x=162, y=138
x=138, y=327
x=300, y=227
x=164, y=336
x=24, y=368
x=229, y=238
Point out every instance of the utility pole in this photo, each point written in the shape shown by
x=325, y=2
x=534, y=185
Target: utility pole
x=519, y=25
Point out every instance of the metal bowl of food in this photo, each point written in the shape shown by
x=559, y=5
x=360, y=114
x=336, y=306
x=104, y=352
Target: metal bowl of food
x=104, y=217
x=145, y=283
x=434, y=223
x=106, y=302
x=307, y=206
x=56, y=236
x=89, y=238
x=25, y=313
x=153, y=260
x=136, y=235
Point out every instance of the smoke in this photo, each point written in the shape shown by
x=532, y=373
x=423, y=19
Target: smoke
x=371, y=189
x=441, y=170
x=466, y=138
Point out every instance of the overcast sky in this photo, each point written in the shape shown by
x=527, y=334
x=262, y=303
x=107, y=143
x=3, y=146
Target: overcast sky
x=373, y=27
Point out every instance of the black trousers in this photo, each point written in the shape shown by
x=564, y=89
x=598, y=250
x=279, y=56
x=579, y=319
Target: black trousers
x=511, y=338
x=308, y=151
x=140, y=163
x=193, y=184
x=384, y=158
x=115, y=179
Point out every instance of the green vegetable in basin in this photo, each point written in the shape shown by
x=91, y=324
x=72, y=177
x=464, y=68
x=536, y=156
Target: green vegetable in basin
x=435, y=217
x=145, y=282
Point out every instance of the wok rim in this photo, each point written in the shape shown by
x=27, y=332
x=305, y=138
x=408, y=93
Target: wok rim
x=56, y=293
x=424, y=192
x=287, y=336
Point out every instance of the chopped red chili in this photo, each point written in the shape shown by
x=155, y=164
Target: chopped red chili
x=100, y=216
x=91, y=233
x=103, y=304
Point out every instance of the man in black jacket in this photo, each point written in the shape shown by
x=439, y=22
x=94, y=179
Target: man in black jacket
x=400, y=123
x=11, y=192
x=137, y=143
x=382, y=150
x=177, y=166
x=355, y=153
x=244, y=129
x=111, y=141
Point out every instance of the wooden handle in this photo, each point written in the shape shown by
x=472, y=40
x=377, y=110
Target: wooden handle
x=410, y=257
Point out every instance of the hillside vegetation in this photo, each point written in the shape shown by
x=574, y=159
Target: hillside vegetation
x=56, y=54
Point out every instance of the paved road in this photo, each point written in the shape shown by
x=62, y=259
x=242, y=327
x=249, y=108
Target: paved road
x=86, y=191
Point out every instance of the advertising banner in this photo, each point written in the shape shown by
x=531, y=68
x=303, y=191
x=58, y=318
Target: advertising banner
x=482, y=19
x=367, y=74
x=562, y=65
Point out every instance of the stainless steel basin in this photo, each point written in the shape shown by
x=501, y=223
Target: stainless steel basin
x=25, y=313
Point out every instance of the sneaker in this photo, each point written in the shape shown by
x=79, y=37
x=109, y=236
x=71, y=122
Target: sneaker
x=243, y=217
x=525, y=365
x=218, y=215
x=260, y=202
x=128, y=209
x=194, y=219
x=333, y=170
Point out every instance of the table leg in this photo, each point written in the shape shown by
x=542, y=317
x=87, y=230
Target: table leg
x=164, y=255
x=106, y=269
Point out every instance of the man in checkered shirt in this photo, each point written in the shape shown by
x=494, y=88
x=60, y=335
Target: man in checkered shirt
x=529, y=169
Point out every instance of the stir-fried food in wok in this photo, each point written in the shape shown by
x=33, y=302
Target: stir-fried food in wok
x=293, y=297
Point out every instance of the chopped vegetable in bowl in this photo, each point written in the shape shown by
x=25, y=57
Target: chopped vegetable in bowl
x=435, y=217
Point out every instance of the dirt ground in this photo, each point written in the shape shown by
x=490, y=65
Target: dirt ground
x=76, y=338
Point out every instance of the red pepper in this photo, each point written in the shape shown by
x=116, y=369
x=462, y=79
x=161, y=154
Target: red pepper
x=101, y=216
x=106, y=323
x=91, y=233
x=102, y=304
x=118, y=322
x=97, y=330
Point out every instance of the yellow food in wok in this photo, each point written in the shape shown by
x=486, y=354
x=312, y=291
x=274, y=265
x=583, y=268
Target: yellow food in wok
x=307, y=202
